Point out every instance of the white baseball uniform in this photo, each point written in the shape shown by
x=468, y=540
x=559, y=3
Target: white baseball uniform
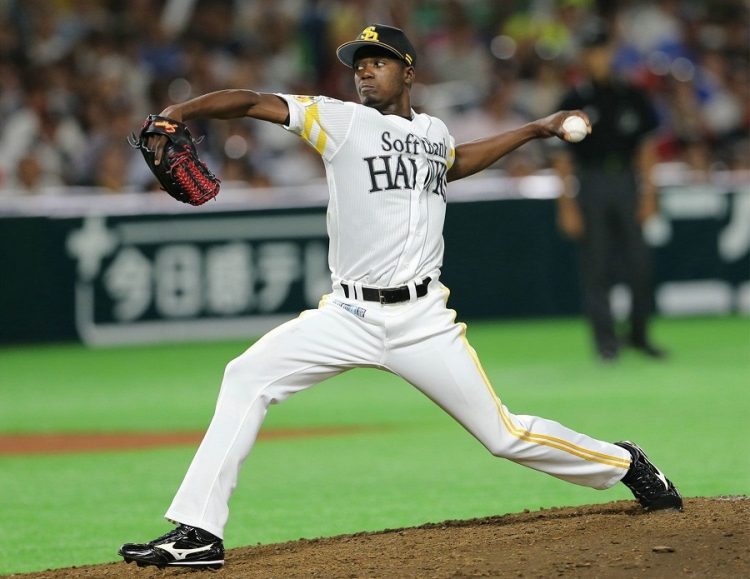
x=387, y=181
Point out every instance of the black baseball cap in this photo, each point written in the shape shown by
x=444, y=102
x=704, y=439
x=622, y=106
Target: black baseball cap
x=389, y=37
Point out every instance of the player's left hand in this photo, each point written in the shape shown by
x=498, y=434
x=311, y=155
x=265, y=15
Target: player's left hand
x=551, y=126
x=170, y=153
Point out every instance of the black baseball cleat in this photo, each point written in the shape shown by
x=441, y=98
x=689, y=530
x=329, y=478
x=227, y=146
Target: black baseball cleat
x=184, y=546
x=653, y=490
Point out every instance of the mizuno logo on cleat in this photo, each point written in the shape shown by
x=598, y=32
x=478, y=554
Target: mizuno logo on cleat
x=181, y=554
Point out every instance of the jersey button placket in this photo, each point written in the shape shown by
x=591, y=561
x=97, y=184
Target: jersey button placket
x=413, y=240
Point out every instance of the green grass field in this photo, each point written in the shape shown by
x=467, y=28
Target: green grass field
x=412, y=465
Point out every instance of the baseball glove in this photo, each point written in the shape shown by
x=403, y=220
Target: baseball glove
x=181, y=173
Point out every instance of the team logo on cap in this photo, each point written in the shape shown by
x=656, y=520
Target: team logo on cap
x=369, y=33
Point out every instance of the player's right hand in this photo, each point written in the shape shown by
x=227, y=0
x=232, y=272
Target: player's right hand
x=551, y=126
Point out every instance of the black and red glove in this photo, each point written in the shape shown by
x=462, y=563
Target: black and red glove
x=181, y=172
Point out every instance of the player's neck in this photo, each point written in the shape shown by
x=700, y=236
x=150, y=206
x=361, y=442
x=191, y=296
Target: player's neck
x=399, y=110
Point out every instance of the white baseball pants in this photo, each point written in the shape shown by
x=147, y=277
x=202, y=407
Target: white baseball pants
x=417, y=340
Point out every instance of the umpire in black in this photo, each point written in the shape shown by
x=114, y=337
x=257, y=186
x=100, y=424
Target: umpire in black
x=608, y=193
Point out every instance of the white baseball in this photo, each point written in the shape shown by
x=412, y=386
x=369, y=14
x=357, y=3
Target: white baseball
x=575, y=128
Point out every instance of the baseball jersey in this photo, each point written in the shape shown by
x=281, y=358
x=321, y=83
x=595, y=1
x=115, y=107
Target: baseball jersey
x=387, y=179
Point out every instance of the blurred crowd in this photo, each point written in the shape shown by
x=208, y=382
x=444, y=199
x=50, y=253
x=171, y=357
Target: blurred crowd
x=77, y=76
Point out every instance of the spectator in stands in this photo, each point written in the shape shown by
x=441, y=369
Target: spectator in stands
x=457, y=55
x=110, y=172
x=30, y=178
x=498, y=114
x=133, y=54
x=53, y=136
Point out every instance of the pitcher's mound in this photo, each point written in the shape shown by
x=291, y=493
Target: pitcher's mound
x=709, y=539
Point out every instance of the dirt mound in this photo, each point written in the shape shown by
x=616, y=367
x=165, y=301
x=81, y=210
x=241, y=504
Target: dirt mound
x=614, y=540
x=61, y=443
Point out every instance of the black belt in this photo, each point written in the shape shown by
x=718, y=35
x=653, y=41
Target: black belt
x=389, y=295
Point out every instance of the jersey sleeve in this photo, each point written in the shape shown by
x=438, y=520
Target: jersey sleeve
x=450, y=157
x=321, y=122
x=450, y=144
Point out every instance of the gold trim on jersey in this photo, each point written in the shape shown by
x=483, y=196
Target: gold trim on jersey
x=527, y=435
x=312, y=120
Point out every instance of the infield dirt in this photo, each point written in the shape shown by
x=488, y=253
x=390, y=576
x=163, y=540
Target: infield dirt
x=710, y=538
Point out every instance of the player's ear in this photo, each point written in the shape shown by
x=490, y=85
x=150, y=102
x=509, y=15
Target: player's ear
x=409, y=74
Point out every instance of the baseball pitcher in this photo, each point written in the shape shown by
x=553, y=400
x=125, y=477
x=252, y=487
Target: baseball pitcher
x=387, y=169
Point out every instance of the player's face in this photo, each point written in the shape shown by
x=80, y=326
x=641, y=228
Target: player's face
x=379, y=78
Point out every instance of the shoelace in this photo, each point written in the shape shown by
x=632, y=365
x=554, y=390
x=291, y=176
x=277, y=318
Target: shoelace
x=645, y=483
x=175, y=533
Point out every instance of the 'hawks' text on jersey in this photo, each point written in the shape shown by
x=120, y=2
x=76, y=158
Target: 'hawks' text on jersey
x=387, y=178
